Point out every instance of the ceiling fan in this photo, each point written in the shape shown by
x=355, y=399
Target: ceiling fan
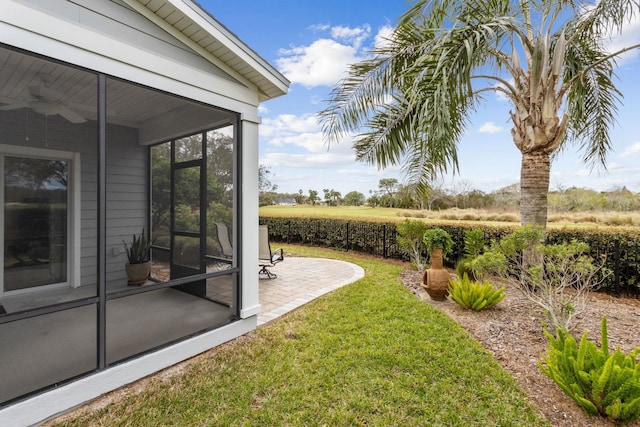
x=45, y=101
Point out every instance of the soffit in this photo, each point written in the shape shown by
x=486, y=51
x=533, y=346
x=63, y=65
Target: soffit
x=215, y=42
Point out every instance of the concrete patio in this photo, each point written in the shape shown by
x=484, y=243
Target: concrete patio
x=301, y=280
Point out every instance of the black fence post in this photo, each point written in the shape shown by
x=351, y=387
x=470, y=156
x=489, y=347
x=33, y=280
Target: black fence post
x=289, y=232
x=347, y=236
x=616, y=267
x=384, y=240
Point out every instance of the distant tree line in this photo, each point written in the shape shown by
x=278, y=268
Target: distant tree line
x=462, y=195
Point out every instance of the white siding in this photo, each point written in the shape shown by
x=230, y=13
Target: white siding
x=118, y=21
x=126, y=194
x=126, y=183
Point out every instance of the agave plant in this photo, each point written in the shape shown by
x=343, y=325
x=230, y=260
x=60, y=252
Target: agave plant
x=138, y=251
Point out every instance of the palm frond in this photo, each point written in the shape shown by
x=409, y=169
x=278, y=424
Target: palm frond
x=592, y=98
x=410, y=103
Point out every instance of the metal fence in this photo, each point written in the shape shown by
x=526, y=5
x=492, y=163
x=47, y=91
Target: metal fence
x=622, y=255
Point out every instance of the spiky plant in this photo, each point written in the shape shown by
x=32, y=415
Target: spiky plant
x=600, y=382
x=138, y=251
x=473, y=295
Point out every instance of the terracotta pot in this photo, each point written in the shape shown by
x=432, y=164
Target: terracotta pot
x=436, y=279
x=138, y=273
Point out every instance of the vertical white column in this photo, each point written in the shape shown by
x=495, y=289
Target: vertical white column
x=249, y=245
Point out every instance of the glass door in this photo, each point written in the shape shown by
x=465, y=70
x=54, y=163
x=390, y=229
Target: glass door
x=188, y=213
x=35, y=222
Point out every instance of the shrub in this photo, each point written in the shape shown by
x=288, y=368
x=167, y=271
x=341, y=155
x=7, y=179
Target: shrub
x=507, y=217
x=556, y=277
x=410, y=235
x=470, y=217
x=473, y=243
x=620, y=220
x=438, y=238
x=473, y=246
x=377, y=237
x=600, y=382
x=474, y=295
x=463, y=266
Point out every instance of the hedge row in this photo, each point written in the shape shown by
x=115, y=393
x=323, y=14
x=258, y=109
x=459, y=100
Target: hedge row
x=619, y=245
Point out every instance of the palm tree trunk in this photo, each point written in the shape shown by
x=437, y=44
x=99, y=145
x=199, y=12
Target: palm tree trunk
x=534, y=187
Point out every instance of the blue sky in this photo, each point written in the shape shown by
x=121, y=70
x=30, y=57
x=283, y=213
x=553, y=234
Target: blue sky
x=312, y=42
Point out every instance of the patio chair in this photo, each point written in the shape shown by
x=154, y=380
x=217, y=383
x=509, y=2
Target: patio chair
x=223, y=239
x=267, y=257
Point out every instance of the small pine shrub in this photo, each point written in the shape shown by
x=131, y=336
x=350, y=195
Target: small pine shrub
x=585, y=219
x=470, y=217
x=507, y=217
x=620, y=220
x=474, y=295
x=410, y=235
x=600, y=382
x=463, y=266
x=558, y=218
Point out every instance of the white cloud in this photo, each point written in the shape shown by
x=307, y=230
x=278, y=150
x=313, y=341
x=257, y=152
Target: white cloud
x=630, y=35
x=314, y=161
x=289, y=124
x=311, y=142
x=500, y=96
x=612, y=166
x=325, y=61
x=354, y=36
x=303, y=132
x=490, y=127
x=319, y=27
x=382, y=38
x=631, y=150
x=262, y=109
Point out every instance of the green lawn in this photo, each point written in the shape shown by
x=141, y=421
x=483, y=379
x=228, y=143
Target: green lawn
x=320, y=211
x=369, y=354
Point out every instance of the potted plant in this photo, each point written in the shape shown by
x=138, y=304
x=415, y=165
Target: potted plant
x=436, y=279
x=139, y=265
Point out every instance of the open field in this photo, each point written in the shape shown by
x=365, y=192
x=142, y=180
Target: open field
x=586, y=218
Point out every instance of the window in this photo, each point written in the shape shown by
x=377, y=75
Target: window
x=37, y=194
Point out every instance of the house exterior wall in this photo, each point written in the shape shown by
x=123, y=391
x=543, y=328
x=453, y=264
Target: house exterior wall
x=126, y=185
x=110, y=38
x=127, y=199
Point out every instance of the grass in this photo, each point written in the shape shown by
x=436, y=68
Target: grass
x=453, y=215
x=321, y=211
x=369, y=353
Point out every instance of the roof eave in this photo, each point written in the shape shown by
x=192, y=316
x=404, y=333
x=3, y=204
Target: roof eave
x=240, y=59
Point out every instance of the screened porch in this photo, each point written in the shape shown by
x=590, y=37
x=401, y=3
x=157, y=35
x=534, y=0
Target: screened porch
x=88, y=161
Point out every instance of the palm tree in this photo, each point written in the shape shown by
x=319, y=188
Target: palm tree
x=412, y=100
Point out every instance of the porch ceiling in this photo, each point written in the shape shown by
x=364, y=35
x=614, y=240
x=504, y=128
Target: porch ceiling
x=209, y=36
x=26, y=80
